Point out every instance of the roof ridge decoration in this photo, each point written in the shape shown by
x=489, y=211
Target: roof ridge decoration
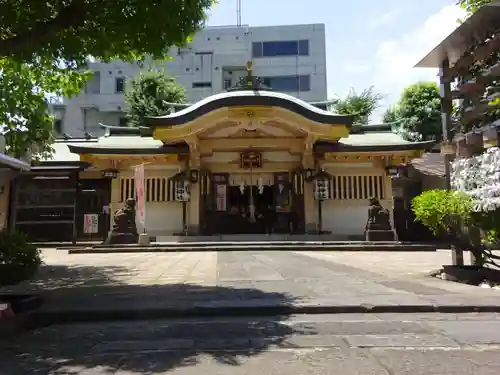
x=239, y=98
x=318, y=104
x=113, y=130
x=250, y=82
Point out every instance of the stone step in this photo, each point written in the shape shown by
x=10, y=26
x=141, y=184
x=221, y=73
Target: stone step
x=259, y=237
x=262, y=246
x=259, y=243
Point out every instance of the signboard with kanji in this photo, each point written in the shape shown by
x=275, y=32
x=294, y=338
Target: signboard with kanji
x=322, y=189
x=90, y=223
x=250, y=159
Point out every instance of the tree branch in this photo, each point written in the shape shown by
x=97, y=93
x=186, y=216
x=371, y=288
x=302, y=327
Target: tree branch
x=71, y=16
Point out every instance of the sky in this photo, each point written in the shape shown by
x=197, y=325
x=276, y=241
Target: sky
x=368, y=43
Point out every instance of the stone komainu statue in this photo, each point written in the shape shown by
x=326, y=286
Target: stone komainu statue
x=124, y=229
x=378, y=225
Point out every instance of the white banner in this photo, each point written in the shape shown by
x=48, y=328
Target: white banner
x=139, y=189
x=221, y=197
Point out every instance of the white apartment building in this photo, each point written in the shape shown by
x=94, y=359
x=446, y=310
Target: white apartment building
x=289, y=59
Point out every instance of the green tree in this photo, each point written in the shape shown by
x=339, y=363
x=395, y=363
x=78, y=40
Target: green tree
x=390, y=115
x=419, y=112
x=361, y=106
x=444, y=212
x=472, y=6
x=147, y=94
x=44, y=47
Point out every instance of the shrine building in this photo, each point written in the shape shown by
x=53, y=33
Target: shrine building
x=217, y=166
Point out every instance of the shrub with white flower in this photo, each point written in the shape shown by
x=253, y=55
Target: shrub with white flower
x=479, y=177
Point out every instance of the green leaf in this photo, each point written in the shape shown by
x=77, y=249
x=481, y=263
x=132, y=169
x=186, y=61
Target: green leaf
x=361, y=106
x=147, y=95
x=45, y=46
x=418, y=111
x=443, y=211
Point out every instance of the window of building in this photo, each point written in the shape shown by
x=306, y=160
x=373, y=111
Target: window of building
x=357, y=187
x=122, y=121
x=58, y=126
x=281, y=48
x=120, y=84
x=289, y=83
x=93, y=85
x=257, y=49
x=228, y=84
x=304, y=47
x=201, y=84
x=156, y=189
x=305, y=83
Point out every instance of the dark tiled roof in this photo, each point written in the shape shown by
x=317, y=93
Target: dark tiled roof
x=431, y=163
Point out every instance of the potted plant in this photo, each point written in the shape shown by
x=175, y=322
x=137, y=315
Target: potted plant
x=19, y=259
x=450, y=215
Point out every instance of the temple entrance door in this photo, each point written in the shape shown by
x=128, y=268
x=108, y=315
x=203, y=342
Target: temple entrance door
x=243, y=217
x=206, y=202
x=282, y=203
x=298, y=204
x=220, y=198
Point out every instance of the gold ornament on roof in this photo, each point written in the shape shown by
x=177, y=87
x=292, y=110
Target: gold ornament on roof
x=249, y=66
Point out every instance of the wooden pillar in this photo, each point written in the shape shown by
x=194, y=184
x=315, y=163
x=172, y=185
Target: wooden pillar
x=310, y=204
x=5, y=182
x=193, y=209
x=75, y=176
x=475, y=140
x=491, y=138
x=449, y=153
x=463, y=149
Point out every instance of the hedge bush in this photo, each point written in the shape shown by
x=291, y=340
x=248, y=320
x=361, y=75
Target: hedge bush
x=19, y=260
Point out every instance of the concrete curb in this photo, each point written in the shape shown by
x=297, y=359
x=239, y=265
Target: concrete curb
x=42, y=318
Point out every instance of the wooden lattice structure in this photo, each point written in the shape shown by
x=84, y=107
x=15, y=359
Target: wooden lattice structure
x=469, y=64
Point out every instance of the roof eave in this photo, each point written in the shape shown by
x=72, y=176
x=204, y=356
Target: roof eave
x=60, y=166
x=321, y=147
x=161, y=150
x=474, y=28
x=196, y=111
x=13, y=163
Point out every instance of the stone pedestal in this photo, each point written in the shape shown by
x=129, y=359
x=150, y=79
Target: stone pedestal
x=379, y=235
x=193, y=230
x=122, y=238
x=311, y=228
x=143, y=239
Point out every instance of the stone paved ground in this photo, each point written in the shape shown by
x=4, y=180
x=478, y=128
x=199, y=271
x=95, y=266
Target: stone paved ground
x=162, y=280
x=394, y=264
x=385, y=344
x=64, y=270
